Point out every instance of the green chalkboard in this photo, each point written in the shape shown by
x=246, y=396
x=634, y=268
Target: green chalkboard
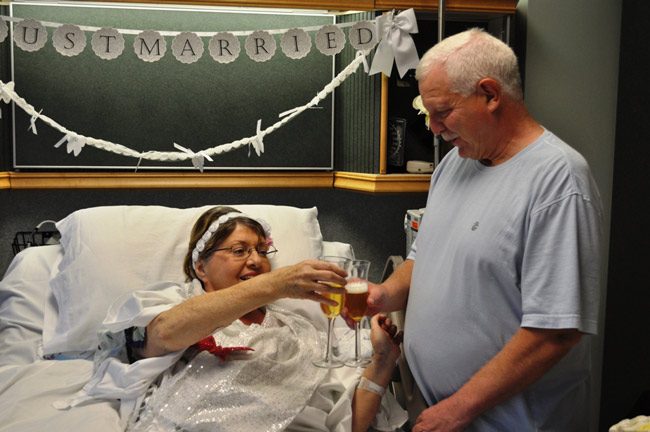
x=150, y=106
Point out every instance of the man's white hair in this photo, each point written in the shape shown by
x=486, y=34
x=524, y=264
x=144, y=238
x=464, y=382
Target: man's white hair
x=470, y=56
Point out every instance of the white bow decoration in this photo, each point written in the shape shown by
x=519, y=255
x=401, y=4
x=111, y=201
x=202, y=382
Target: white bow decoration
x=32, y=122
x=396, y=43
x=365, y=62
x=257, y=142
x=4, y=92
x=198, y=159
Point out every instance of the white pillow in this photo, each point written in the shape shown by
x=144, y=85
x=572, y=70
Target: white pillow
x=118, y=249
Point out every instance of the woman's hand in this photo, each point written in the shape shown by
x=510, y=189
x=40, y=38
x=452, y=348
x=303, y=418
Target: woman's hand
x=385, y=339
x=307, y=279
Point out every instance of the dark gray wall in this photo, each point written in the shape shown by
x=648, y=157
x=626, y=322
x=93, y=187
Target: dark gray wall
x=572, y=53
x=626, y=375
x=373, y=224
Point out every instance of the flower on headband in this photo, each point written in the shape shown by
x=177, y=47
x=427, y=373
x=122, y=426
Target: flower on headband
x=267, y=230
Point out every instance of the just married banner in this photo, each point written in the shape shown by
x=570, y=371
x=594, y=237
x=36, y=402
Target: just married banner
x=391, y=32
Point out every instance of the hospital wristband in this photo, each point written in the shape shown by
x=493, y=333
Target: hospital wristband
x=367, y=385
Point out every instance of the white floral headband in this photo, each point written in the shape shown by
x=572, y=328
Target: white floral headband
x=207, y=235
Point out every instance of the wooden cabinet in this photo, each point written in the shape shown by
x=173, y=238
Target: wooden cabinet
x=478, y=6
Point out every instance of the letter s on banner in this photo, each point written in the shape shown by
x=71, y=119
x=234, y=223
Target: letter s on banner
x=69, y=40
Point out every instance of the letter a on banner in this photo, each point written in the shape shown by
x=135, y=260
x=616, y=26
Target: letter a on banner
x=187, y=47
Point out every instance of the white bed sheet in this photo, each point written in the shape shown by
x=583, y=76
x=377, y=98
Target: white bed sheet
x=27, y=392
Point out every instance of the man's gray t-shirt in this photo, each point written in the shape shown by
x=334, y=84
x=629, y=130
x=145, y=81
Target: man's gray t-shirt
x=499, y=248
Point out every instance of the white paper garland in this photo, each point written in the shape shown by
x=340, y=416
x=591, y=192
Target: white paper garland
x=76, y=142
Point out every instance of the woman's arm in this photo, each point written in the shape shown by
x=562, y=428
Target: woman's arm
x=198, y=317
x=385, y=342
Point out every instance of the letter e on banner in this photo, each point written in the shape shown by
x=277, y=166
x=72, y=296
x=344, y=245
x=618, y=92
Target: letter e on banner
x=296, y=43
x=363, y=35
x=107, y=43
x=150, y=46
x=69, y=40
x=224, y=47
x=30, y=35
x=187, y=47
x=330, y=39
x=260, y=46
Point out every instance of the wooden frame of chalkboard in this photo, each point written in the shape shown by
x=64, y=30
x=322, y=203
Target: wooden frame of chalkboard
x=150, y=106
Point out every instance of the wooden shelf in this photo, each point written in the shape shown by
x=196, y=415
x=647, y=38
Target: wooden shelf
x=479, y=6
x=170, y=180
x=5, y=182
x=372, y=183
x=382, y=183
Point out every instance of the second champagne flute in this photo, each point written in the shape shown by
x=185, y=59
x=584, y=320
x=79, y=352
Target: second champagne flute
x=356, y=302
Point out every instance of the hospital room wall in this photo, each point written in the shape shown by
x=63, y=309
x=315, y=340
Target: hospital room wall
x=571, y=85
x=372, y=224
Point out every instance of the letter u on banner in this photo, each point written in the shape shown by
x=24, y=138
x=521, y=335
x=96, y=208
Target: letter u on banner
x=30, y=35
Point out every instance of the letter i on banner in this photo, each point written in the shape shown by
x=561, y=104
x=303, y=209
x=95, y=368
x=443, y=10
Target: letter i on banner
x=296, y=43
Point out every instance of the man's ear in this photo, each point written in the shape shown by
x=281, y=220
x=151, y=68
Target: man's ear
x=491, y=90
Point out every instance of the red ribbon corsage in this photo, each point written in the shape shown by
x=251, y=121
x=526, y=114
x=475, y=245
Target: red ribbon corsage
x=209, y=344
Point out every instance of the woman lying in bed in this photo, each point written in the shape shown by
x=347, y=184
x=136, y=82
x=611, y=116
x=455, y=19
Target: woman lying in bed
x=232, y=360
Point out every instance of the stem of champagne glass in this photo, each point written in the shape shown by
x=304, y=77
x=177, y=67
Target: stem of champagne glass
x=357, y=342
x=328, y=352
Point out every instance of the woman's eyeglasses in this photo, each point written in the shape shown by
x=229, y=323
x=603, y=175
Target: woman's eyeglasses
x=244, y=251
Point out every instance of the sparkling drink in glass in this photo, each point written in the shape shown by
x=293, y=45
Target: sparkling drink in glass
x=356, y=302
x=331, y=312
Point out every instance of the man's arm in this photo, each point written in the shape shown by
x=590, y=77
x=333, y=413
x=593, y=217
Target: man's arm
x=522, y=361
x=392, y=294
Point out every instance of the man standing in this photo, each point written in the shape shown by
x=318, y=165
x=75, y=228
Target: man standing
x=503, y=279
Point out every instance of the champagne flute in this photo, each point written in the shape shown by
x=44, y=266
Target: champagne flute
x=356, y=302
x=331, y=312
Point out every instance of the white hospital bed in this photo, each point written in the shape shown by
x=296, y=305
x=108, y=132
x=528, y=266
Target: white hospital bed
x=54, y=298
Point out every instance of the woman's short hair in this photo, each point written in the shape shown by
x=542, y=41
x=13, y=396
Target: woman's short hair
x=225, y=229
x=470, y=56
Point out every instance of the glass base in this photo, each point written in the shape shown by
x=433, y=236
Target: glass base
x=331, y=364
x=360, y=363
